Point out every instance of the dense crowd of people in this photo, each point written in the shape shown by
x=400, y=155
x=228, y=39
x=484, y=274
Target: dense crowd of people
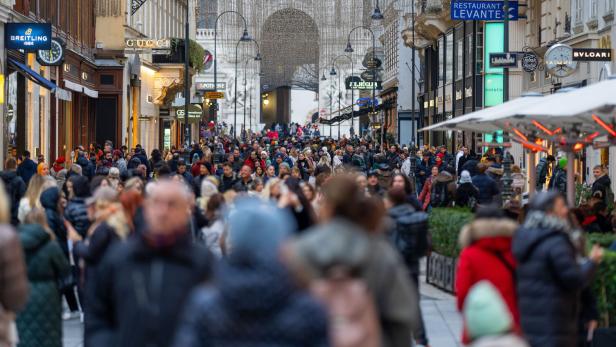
x=285, y=240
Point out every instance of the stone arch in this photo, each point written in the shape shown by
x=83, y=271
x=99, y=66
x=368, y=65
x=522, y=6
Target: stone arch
x=290, y=50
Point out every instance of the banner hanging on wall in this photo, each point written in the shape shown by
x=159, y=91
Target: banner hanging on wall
x=136, y=5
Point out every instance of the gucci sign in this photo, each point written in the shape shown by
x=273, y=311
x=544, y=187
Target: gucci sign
x=147, y=43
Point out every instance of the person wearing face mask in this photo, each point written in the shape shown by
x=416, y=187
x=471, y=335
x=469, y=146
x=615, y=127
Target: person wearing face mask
x=141, y=286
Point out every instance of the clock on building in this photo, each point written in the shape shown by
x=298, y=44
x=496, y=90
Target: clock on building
x=559, y=60
x=53, y=56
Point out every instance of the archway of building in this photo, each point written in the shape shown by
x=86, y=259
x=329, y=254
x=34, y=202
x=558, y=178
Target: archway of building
x=290, y=50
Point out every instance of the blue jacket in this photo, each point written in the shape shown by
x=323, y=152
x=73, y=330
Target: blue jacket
x=550, y=280
x=487, y=188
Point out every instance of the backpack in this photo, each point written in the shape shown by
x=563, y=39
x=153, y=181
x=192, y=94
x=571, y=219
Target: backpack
x=353, y=318
x=411, y=236
x=439, y=196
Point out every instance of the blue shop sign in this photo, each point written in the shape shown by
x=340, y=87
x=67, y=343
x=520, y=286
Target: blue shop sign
x=27, y=36
x=482, y=10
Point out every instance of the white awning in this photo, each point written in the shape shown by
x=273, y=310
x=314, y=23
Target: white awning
x=81, y=89
x=76, y=87
x=90, y=92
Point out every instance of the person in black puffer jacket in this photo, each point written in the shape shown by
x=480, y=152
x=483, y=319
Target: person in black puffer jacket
x=549, y=276
x=50, y=200
x=76, y=211
x=467, y=194
x=14, y=186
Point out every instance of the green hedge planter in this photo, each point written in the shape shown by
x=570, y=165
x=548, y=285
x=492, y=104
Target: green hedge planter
x=445, y=225
x=604, y=285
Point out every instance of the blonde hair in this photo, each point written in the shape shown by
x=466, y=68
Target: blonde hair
x=112, y=213
x=5, y=206
x=267, y=190
x=36, y=186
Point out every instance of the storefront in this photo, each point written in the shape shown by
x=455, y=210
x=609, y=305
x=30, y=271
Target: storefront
x=389, y=99
x=77, y=117
x=452, y=83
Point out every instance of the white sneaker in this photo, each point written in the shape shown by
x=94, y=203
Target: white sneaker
x=66, y=315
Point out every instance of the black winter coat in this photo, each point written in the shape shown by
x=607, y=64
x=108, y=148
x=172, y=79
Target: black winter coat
x=549, y=281
x=49, y=200
x=464, y=193
x=76, y=212
x=603, y=185
x=139, y=292
x=542, y=172
x=488, y=188
x=253, y=305
x=101, y=240
x=15, y=190
x=26, y=170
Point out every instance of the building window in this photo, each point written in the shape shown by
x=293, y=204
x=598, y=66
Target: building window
x=469, y=55
x=579, y=10
x=593, y=8
x=449, y=60
x=609, y=6
x=533, y=77
x=441, y=60
x=460, y=59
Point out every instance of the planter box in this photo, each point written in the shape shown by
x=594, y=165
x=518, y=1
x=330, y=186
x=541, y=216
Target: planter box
x=441, y=272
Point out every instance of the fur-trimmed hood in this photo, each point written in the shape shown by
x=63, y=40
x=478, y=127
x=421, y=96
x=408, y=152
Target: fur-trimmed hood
x=485, y=228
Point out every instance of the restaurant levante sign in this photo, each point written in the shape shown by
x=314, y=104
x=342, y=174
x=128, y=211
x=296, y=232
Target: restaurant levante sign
x=482, y=10
x=592, y=54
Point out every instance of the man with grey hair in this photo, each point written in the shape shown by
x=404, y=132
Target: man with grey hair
x=141, y=285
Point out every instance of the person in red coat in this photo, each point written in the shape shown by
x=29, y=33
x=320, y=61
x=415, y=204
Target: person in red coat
x=424, y=196
x=486, y=255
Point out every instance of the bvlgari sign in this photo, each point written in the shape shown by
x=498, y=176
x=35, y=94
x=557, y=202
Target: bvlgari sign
x=592, y=54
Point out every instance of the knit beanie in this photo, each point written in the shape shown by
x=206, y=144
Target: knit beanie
x=485, y=311
x=465, y=177
x=562, y=163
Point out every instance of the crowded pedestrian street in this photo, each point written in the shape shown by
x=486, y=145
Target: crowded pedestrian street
x=318, y=173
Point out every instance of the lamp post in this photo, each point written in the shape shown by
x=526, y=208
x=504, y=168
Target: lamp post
x=349, y=49
x=245, y=37
x=245, y=83
x=186, y=76
x=333, y=73
x=257, y=58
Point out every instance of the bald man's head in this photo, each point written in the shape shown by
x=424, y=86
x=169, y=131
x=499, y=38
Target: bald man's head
x=167, y=207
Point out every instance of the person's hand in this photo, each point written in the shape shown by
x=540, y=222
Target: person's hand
x=73, y=235
x=592, y=326
x=596, y=254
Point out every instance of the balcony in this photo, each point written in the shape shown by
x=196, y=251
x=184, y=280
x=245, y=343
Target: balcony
x=432, y=20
